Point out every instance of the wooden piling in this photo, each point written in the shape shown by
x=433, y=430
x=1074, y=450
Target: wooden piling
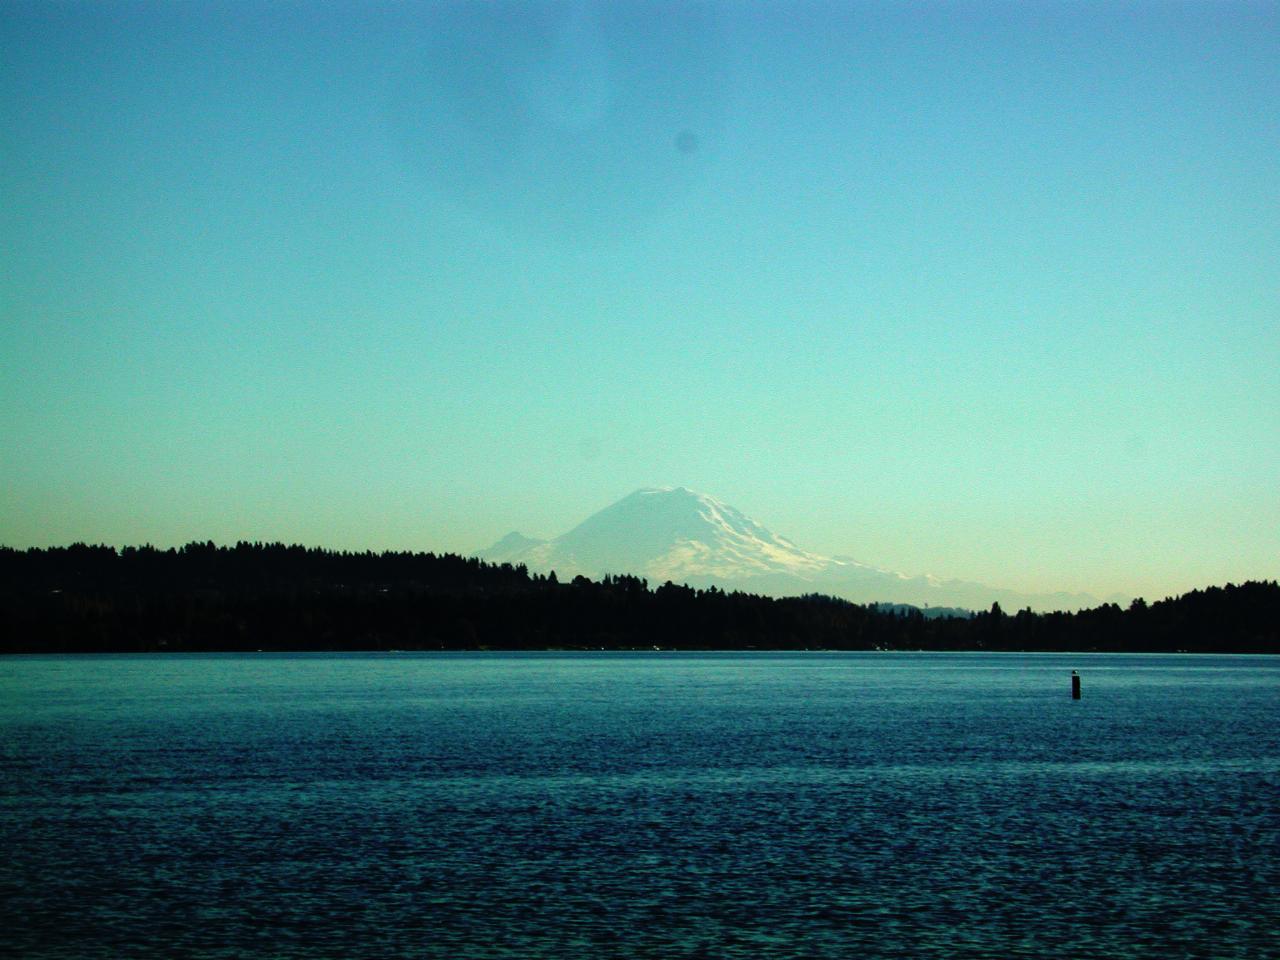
x=1075, y=685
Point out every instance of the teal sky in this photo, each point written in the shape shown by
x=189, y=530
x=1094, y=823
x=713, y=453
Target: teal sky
x=985, y=290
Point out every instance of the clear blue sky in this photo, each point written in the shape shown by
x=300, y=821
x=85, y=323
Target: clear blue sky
x=986, y=290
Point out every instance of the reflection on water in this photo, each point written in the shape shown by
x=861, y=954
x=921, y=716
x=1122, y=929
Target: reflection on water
x=636, y=806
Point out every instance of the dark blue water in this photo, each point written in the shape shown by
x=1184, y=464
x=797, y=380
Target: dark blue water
x=658, y=805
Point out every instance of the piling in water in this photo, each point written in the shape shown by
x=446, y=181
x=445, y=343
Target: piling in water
x=1075, y=685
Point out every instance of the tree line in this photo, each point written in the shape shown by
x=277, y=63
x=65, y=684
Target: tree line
x=269, y=596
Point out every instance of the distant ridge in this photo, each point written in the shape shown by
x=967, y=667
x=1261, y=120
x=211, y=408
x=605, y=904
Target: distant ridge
x=677, y=534
x=269, y=596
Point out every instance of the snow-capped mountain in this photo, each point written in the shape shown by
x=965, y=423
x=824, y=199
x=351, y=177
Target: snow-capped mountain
x=686, y=537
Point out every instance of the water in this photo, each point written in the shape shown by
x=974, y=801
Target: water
x=632, y=805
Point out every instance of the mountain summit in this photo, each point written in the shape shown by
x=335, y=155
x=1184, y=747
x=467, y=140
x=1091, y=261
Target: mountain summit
x=671, y=533
x=667, y=533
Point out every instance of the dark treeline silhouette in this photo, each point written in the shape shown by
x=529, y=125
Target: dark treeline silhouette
x=255, y=596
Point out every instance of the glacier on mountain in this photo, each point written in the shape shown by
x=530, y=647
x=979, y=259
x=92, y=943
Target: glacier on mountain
x=676, y=534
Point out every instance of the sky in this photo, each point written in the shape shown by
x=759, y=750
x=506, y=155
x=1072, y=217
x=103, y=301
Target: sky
x=983, y=290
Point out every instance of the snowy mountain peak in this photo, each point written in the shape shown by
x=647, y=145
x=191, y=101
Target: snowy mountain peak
x=664, y=533
x=677, y=534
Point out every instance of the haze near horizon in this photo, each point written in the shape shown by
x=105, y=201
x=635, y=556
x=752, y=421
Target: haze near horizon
x=985, y=291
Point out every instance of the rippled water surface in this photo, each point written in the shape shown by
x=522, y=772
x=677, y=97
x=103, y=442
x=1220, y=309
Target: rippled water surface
x=629, y=805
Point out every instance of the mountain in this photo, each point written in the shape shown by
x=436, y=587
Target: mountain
x=676, y=534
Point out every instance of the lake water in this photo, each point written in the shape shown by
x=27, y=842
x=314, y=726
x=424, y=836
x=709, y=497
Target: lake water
x=639, y=805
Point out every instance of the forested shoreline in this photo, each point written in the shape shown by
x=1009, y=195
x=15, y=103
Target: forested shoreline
x=255, y=596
